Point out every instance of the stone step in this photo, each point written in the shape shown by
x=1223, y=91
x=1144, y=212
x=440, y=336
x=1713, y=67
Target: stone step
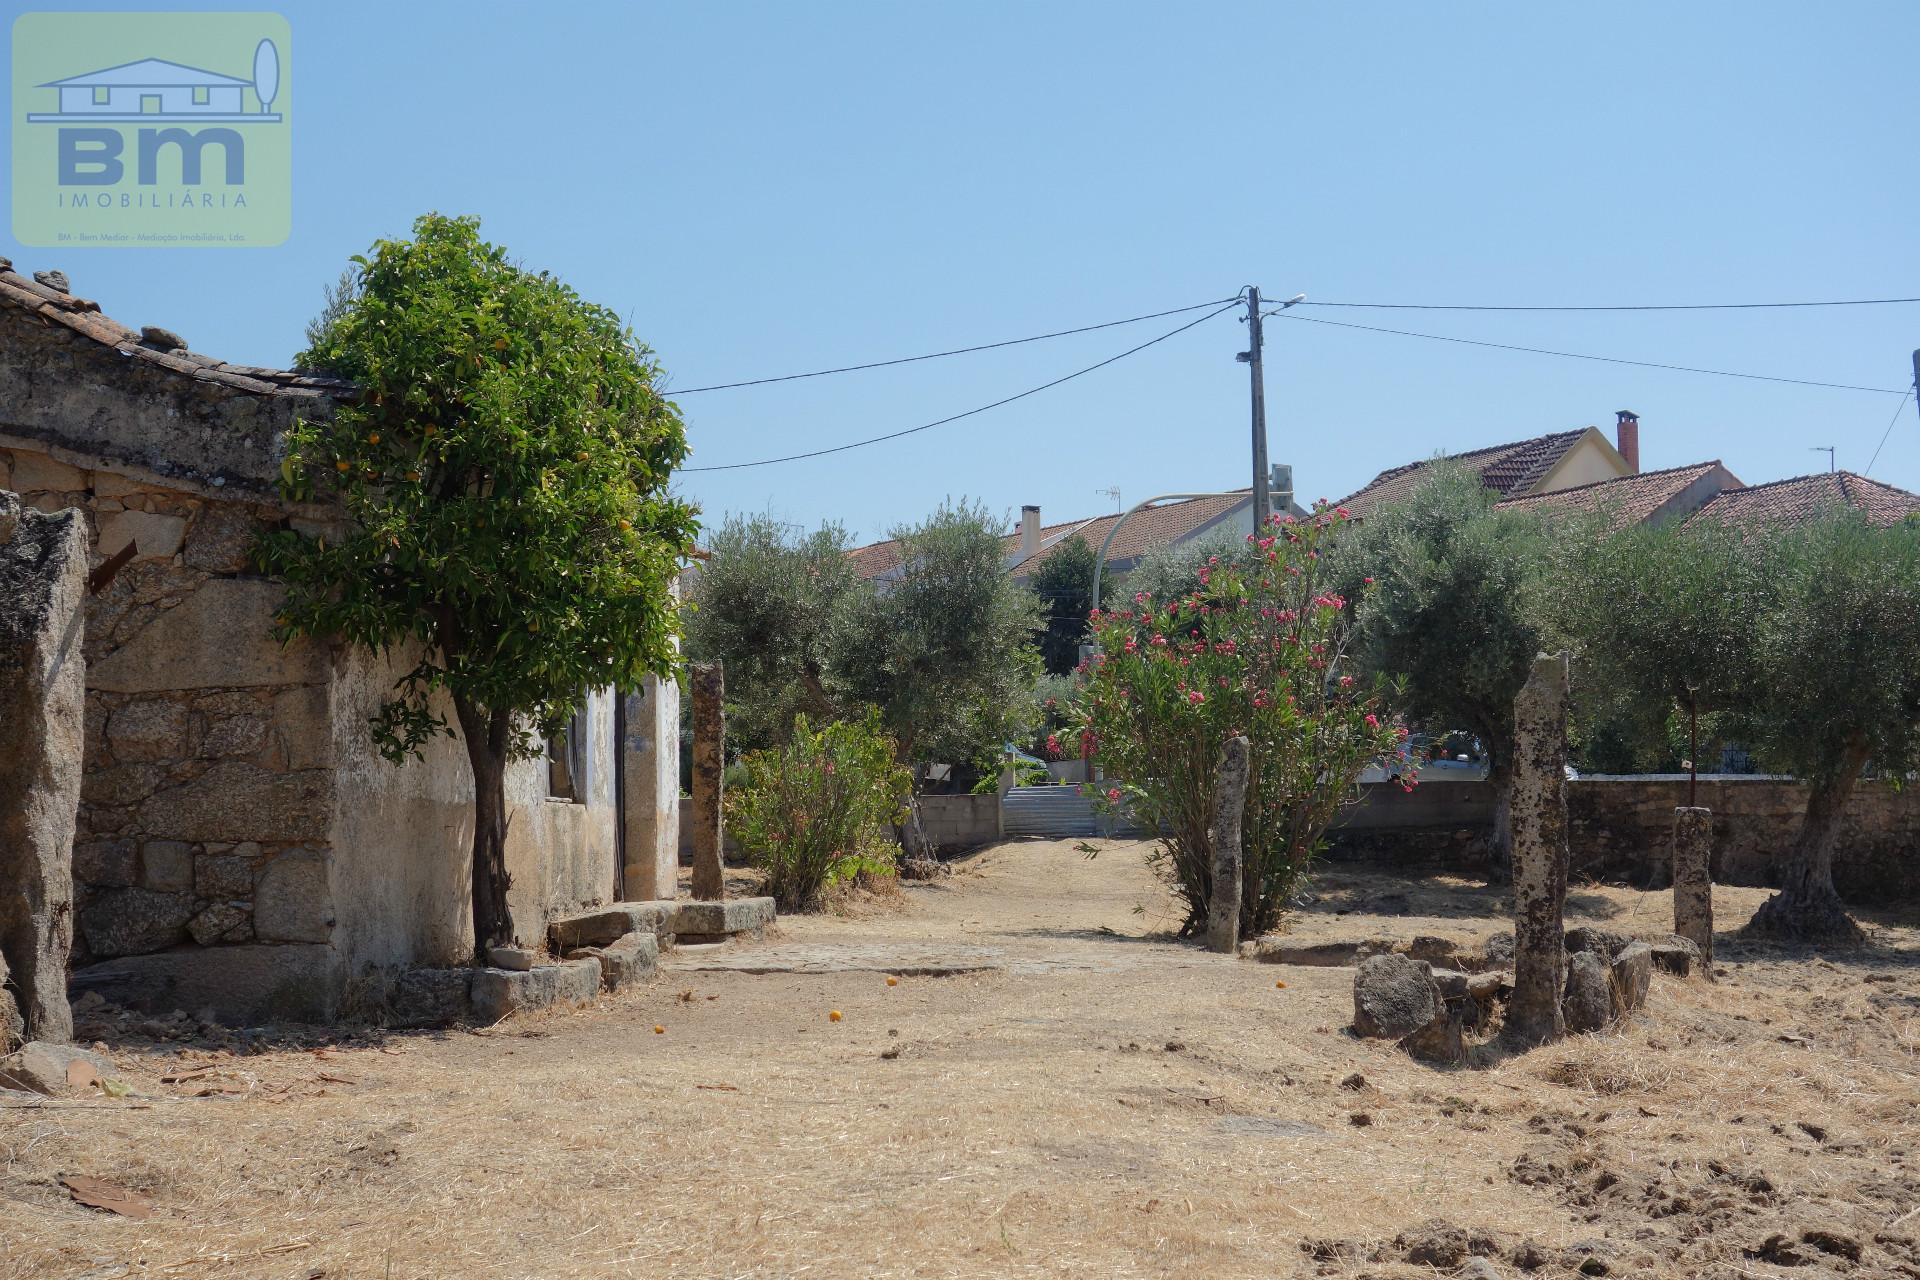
x=605, y=925
x=694, y=922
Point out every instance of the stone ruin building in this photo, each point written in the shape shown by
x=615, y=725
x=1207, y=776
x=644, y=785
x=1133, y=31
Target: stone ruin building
x=239, y=844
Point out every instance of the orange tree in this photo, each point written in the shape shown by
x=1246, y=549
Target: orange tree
x=1258, y=648
x=504, y=473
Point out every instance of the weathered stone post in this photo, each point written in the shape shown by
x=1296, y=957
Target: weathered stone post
x=650, y=777
x=1539, y=854
x=43, y=575
x=1693, y=880
x=1229, y=799
x=709, y=764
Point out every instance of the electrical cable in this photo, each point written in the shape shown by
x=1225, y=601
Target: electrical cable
x=1672, y=306
x=1575, y=355
x=957, y=351
x=1884, y=435
x=941, y=422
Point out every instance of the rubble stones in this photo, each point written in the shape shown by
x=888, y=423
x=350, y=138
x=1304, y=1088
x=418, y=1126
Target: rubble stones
x=1393, y=997
x=499, y=992
x=40, y=1067
x=429, y=997
x=1588, y=1004
x=1604, y=943
x=1676, y=955
x=1632, y=974
x=517, y=959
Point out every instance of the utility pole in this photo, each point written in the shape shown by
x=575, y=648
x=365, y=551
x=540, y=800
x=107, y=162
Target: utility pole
x=1262, y=502
x=1916, y=381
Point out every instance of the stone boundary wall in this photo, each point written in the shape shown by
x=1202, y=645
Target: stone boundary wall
x=1620, y=826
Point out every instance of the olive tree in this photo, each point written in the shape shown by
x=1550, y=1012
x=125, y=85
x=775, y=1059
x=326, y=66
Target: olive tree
x=1455, y=616
x=764, y=602
x=1837, y=685
x=945, y=650
x=504, y=472
x=1663, y=618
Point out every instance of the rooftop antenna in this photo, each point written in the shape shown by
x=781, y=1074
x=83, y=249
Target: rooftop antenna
x=1823, y=448
x=1113, y=493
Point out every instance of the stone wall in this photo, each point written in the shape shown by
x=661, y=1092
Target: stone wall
x=1619, y=826
x=206, y=796
x=960, y=822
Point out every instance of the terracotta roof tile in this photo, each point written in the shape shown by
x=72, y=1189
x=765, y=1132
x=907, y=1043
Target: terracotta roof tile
x=1805, y=497
x=84, y=317
x=1154, y=527
x=1628, y=500
x=1507, y=468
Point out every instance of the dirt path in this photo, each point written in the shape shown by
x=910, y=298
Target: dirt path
x=1073, y=1098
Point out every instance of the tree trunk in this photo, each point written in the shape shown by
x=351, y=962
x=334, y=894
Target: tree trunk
x=1808, y=907
x=487, y=736
x=1500, y=839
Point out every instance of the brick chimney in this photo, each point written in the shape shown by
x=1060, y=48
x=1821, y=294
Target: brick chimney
x=1627, y=435
x=1029, y=531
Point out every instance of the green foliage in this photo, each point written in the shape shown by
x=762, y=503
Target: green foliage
x=1053, y=713
x=1663, y=619
x=505, y=475
x=765, y=603
x=945, y=651
x=1064, y=584
x=816, y=810
x=1836, y=676
x=1259, y=648
x=1456, y=614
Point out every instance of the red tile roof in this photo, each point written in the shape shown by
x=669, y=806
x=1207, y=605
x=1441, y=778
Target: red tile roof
x=1627, y=500
x=1805, y=497
x=1508, y=468
x=1156, y=526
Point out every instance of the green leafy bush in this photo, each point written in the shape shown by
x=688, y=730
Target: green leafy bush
x=1259, y=648
x=816, y=811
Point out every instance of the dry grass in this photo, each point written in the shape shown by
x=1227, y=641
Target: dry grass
x=1122, y=1106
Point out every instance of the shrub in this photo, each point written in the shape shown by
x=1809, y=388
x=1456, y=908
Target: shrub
x=1259, y=648
x=816, y=811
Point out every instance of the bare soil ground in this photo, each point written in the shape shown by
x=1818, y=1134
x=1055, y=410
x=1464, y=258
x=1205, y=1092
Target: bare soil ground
x=1080, y=1095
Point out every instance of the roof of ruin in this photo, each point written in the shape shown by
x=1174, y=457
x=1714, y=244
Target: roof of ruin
x=153, y=345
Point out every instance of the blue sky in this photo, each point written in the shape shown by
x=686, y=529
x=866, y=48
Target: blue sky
x=768, y=189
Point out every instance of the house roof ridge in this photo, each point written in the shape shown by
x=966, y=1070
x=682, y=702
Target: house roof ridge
x=1626, y=479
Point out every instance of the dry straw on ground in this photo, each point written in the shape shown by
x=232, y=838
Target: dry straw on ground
x=1110, y=1104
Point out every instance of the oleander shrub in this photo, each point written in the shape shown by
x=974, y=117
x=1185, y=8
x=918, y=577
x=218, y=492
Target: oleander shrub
x=1259, y=646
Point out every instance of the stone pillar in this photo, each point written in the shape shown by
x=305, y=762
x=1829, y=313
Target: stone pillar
x=1539, y=854
x=709, y=763
x=1693, y=880
x=650, y=777
x=1229, y=802
x=43, y=579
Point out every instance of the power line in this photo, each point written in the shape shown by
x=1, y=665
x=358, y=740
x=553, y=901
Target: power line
x=1671, y=306
x=1887, y=433
x=957, y=351
x=1575, y=355
x=941, y=422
